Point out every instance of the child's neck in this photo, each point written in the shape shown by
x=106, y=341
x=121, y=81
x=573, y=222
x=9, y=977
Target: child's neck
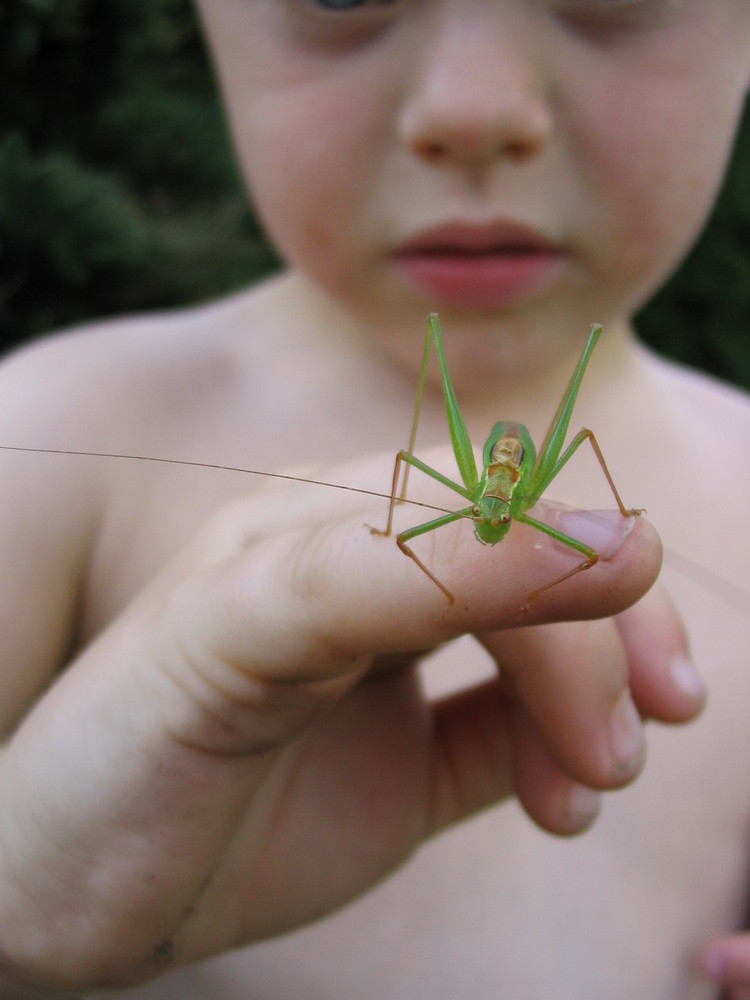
x=520, y=377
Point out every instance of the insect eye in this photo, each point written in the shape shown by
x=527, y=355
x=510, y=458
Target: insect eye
x=475, y=511
x=505, y=517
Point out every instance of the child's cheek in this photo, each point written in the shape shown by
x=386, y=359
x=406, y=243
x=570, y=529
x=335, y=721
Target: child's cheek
x=654, y=174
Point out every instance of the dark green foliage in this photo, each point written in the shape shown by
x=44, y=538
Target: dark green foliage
x=118, y=190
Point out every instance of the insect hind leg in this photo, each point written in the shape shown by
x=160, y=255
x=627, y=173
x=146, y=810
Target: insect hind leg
x=587, y=433
x=591, y=555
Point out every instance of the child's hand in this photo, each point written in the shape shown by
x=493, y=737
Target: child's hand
x=248, y=747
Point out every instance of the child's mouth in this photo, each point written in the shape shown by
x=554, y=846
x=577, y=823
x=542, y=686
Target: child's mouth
x=469, y=266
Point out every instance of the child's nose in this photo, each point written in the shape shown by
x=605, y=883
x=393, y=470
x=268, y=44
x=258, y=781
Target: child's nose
x=477, y=87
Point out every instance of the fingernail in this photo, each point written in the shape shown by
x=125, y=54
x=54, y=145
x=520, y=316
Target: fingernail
x=602, y=530
x=626, y=735
x=686, y=678
x=582, y=806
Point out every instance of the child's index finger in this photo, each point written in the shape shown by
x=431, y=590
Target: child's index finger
x=303, y=606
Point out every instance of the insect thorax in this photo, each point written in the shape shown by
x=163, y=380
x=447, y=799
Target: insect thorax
x=507, y=451
x=504, y=469
x=492, y=511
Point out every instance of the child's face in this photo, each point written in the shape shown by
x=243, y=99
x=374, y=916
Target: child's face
x=544, y=161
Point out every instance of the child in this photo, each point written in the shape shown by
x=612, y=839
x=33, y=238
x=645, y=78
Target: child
x=240, y=743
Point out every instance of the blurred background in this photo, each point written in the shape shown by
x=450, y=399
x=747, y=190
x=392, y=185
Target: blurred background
x=118, y=190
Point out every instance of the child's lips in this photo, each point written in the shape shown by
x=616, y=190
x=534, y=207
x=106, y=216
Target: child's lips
x=480, y=266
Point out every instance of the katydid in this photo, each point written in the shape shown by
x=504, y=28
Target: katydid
x=513, y=477
x=544, y=471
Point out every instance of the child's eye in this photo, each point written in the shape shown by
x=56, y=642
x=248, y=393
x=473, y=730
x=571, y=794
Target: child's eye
x=628, y=13
x=594, y=4
x=337, y=22
x=336, y=6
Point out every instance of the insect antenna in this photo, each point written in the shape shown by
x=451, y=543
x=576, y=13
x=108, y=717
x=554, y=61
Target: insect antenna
x=733, y=594
x=124, y=456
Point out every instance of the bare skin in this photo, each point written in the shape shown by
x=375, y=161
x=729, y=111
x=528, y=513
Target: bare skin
x=567, y=689
x=238, y=744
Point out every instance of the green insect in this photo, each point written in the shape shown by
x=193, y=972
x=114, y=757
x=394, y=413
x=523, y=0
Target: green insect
x=513, y=477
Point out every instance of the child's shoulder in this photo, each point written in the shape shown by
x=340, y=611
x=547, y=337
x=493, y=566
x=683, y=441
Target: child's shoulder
x=123, y=346
x=136, y=364
x=701, y=400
